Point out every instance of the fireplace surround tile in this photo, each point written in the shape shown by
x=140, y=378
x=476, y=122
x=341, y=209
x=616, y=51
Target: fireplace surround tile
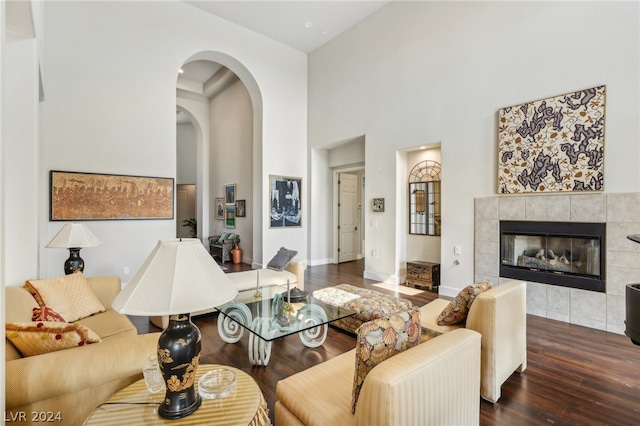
x=616, y=310
x=536, y=208
x=603, y=311
x=623, y=207
x=589, y=308
x=558, y=303
x=618, y=278
x=487, y=264
x=558, y=208
x=537, y=299
x=512, y=208
x=622, y=259
x=488, y=230
x=617, y=236
x=588, y=208
x=486, y=208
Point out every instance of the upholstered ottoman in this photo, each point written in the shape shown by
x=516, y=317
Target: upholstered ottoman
x=368, y=304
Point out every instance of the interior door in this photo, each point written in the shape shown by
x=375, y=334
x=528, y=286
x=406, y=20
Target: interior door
x=185, y=209
x=349, y=240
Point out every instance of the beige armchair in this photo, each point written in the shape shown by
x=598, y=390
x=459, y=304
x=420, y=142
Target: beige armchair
x=433, y=383
x=500, y=316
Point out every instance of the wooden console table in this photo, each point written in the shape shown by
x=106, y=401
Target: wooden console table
x=423, y=274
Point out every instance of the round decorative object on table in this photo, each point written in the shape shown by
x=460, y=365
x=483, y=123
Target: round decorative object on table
x=296, y=295
x=217, y=383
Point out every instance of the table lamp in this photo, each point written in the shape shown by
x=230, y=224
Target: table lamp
x=74, y=236
x=178, y=277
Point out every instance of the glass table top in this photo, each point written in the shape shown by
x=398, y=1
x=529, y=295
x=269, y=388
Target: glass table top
x=265, y=312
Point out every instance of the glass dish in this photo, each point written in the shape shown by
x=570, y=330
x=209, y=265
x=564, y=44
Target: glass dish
x=217, y=383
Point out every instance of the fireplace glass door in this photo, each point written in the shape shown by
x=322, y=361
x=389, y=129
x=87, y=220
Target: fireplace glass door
x=571, y=255
x=559, y=253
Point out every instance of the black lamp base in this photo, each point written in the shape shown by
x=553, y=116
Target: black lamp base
x=74, y=262
x=179, y=349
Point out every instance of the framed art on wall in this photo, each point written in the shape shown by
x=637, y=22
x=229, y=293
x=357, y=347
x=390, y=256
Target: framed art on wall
x=230, y=193
x=230, y=216
x=377, y=205
x=94, y=196
x=554, y=144
x=220, y=208
x=241, y=208
x=286, y=204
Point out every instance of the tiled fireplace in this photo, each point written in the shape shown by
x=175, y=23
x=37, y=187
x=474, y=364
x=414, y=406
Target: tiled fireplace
x=600, y=306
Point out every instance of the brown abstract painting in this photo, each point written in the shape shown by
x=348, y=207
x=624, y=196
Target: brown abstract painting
x=92, y=196
x=552, y=145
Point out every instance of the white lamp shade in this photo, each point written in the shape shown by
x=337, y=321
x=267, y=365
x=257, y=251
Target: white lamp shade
x=178, y=277
x=74, y=235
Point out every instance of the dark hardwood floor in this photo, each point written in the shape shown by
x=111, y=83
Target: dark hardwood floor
x=575, y=375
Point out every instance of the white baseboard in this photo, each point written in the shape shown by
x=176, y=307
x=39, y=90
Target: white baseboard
x=317, y=262
x=387, y=279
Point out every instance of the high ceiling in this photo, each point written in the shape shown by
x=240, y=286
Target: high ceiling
x=303, y=25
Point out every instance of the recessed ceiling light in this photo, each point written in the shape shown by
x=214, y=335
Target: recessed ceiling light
x=180, y=71
x=423, y=147
x=323, y=32
x=308, y=24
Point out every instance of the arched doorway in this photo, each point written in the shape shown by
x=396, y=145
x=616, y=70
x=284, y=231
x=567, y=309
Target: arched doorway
x=200, y=112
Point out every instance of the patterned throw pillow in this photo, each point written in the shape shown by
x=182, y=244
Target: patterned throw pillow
x=39, y=337
x=282, y=259
x=45, y=313
x=380, y=339
x=456, y=311
x=69, y=295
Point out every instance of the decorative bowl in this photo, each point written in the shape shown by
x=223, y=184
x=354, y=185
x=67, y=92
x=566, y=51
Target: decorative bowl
x=217, y=383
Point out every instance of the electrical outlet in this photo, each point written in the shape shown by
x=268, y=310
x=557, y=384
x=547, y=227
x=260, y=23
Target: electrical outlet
x=125, y=270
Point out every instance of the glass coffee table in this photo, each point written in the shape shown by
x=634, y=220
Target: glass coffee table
x=269, y=313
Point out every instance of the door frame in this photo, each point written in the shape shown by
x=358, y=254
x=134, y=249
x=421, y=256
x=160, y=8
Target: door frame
x=336, y=215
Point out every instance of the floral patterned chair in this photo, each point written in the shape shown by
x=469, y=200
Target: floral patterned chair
x=220, y=246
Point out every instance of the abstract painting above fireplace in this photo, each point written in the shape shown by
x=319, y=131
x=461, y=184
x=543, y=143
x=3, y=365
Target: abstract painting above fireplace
x=558, y=253
x=553, y=145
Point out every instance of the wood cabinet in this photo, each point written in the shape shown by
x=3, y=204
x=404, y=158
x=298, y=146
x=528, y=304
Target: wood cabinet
x=423, y=274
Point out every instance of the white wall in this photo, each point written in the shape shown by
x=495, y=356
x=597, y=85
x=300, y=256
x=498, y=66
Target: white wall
x=110, y=108
x=186, y=154
x=231, y=156
x=439, y=71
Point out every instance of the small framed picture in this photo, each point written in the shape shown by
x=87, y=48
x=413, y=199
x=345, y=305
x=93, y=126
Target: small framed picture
x=230, y=194
x=230, y=216
x=220, y=208
x=377, y=205
x=241, y=208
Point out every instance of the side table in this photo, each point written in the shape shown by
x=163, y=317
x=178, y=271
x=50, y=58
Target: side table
x=423, y=274
x=136, y=405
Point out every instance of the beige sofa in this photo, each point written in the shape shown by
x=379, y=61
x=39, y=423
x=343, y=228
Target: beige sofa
x=73, y=382
x=246, y=280
x=500, y=316
x=433, y=383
